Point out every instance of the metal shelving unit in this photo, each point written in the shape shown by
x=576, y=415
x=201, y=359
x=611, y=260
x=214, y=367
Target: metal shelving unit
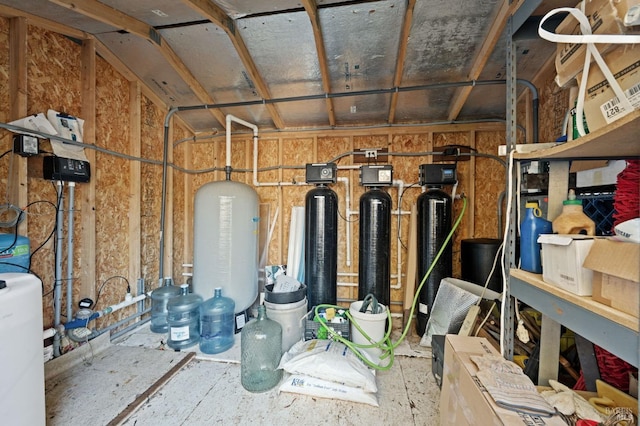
x=613, y=330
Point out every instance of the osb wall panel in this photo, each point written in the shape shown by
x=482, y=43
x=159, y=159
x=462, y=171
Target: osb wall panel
x=489, y=183
x=152, y=135
x=53, y=82
x=554, y=104
x=5, y=137
x=112, y=183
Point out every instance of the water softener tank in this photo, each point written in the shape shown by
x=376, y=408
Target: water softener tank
x=225, y=252
x=321, y=246
x=374, y=272
x=434, y=224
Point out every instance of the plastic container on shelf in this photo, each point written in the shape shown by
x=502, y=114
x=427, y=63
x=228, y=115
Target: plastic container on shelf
x=159, y=299
x=531, y=227
x=572, y=220
x=217, y=321
x=183, y=317
x=261, y=350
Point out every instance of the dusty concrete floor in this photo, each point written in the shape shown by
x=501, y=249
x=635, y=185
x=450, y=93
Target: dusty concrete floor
x=136, y=381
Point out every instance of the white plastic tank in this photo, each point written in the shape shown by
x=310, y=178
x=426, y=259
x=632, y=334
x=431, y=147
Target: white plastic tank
x=225, y=252
x=22, y=356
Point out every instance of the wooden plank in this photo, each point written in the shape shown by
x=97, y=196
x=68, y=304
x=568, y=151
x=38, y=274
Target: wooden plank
x=402, y=53
x=146, y=395
x=218, y=17
x=43, y=23
x=495, y=31
x=18, y=188
x=135, y=185
x=470, y=185
x=108, y=15
x=88, y=191
x=312, y=10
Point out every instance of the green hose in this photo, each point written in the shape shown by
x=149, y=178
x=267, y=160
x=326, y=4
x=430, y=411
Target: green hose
x=385, y=345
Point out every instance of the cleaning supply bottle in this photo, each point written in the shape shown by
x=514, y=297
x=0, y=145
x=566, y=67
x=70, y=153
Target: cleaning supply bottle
x=183, y=316
x=261, y=350
x=572, y=220
x=531, y=227
x=217, y=323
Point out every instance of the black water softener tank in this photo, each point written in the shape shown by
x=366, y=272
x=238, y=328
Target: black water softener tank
x=321, y=246
x=434, y=224
x=321, y=235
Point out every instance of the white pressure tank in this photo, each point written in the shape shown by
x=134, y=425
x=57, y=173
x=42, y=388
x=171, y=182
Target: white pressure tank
x=225, y=252
x=22, y=356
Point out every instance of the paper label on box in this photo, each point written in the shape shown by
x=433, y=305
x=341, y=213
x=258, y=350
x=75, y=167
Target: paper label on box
x=613, y=108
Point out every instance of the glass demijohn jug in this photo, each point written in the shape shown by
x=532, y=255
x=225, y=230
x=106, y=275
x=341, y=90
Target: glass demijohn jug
x=217, y=321
x=261, y=348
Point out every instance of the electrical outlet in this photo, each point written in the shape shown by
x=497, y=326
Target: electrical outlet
x=371, y=153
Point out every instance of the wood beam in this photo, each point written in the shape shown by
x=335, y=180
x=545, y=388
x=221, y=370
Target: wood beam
x=402, y=53
x=108, y=15
x=216, y=15
x=495, y=31
x=312, y=10
x=43, y=23
x=88, y=190
x=18, y=189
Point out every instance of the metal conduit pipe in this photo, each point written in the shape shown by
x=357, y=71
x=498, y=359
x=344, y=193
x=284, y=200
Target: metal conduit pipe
x=72, y=187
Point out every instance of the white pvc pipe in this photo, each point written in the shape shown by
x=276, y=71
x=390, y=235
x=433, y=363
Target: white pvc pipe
x=124, y=304
x=72, y=187
x=345, y=180
x=231, y=118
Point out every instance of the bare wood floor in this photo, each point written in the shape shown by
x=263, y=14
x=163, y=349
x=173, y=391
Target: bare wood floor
x=135, y=381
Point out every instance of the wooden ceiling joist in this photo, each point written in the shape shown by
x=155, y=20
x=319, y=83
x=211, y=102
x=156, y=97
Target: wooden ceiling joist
x=402, y=53
x=106, y=14
x=220, y=18
x=312, y=10
x=488, y=45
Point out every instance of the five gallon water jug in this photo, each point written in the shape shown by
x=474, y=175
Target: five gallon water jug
x=261, y=350
x=531, y=227
x=159, y=299
x=217, y=321
x=572, y=220
x=183, y=316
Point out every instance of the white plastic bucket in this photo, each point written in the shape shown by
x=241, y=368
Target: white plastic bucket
x=291, y=317
x=372, y=324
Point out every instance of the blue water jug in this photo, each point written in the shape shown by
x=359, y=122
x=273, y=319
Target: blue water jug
x=183, y=317
x=217, y=323
x=531, y=227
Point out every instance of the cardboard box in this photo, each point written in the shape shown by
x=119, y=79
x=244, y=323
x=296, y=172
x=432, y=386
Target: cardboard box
x=601, y=105
x=616, y=274
x=463, y=399
x=605, y=17
x=562, y=258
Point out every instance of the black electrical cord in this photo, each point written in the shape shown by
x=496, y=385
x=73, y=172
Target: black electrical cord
x=5, y=153
x=95, y=305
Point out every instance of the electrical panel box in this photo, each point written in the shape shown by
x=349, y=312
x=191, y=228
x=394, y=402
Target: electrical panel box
x=65, y=169
x=437, y=174
x=25, y=145
x=319, y=173
x=377, y=175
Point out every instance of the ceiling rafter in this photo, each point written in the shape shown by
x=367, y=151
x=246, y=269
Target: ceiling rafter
x=488, y=45
x=402, y=53
x=106, y=14
x=220, y=18
x=312, y=10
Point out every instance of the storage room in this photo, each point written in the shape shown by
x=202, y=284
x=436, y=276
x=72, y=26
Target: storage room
x=412, y=212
